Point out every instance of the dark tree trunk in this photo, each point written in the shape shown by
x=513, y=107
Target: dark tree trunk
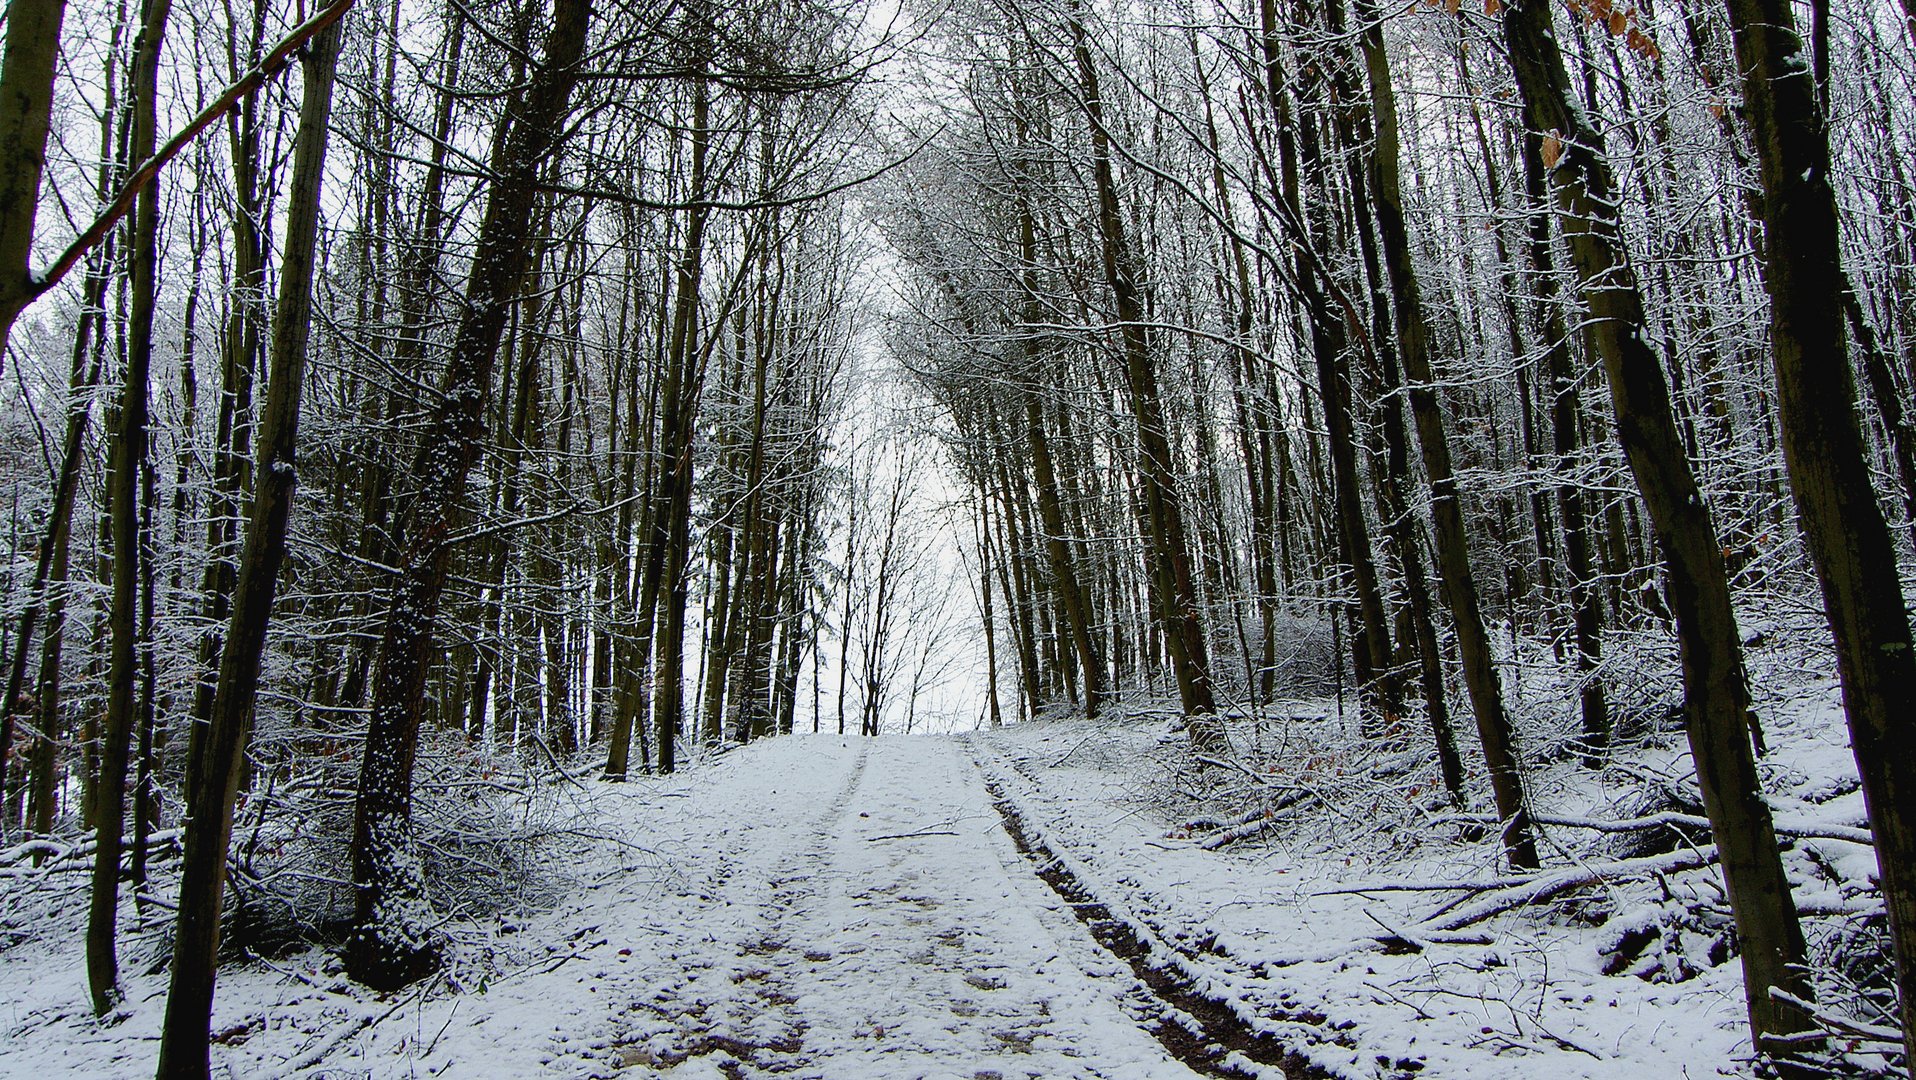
x=1453, y=546
x=1717, y=697
x=671, y=528
x=129, y=456
x=27, y=69
x=391, y=945
x=1843, y=524
x=218, y=758
x=1585, y=598
x=1178, y=606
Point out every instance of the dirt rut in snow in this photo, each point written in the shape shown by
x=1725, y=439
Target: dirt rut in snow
x=897, y=936
x=1199, y=1030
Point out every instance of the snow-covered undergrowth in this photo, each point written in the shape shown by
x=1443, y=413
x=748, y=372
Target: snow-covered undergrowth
x=500, y=844
x=1322, y=880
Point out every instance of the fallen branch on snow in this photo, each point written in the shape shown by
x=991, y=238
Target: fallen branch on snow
x=1253, y=823
x=1265, y=820
x=60, y=853
x=1545, y=886
x=1835, y=1024
x=1798, y=829
x=1504, y=894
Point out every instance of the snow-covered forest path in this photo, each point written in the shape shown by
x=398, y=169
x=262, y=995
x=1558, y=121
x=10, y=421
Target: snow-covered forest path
x=1025, y=903
x=815, y=906
x=881, y=924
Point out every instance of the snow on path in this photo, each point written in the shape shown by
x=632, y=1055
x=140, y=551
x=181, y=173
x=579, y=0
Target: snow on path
x=900, y=936
x=812, y=907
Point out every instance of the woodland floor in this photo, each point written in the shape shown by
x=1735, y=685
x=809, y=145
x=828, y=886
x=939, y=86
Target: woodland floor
x=1027, y=903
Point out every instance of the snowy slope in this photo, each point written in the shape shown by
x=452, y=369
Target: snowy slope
x=1317, y=929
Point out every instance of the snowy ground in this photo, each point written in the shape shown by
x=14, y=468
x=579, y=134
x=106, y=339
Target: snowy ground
x=1258, y=923
x=872, y=908
x=811, y=906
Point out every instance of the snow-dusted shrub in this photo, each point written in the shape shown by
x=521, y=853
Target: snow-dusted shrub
x=483, y=823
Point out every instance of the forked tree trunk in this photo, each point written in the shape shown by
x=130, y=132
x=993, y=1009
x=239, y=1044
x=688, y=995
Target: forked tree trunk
x=27, y=67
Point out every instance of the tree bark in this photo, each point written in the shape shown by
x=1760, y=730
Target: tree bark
x=129, y=455
x=1848, y=539
x=1453, y=546
x=1585, y=598
x=671, y=528
x=220, y=754
x=1178, y=608
x=1717, y=698
x=27, y=67
x=390, y=944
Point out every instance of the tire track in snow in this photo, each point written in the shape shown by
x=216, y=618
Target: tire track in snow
x=730, y=1011
x=1207, y=1032
x=906, y=940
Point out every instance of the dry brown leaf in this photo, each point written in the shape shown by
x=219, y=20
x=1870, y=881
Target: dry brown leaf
x=1551, y=151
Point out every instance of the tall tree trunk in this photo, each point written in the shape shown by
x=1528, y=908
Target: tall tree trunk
x=129, y=456
x=1405, y=531
x=1586, y=598
x=677, y=426
x=390, y=944
x=50, y=565
x=1328, y=334
x=1717, y=697
x=1178, y=611
x=1848, y=540
x=218, y=757
x=239, y=354
x=984, y=542
x=1453, y=546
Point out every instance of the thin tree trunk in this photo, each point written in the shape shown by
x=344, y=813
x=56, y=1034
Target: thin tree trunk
x=1586, y=599
x=1453, y=546
x=1178, y=607
x=671, y=530
x=129, y=456
x=220, y=756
